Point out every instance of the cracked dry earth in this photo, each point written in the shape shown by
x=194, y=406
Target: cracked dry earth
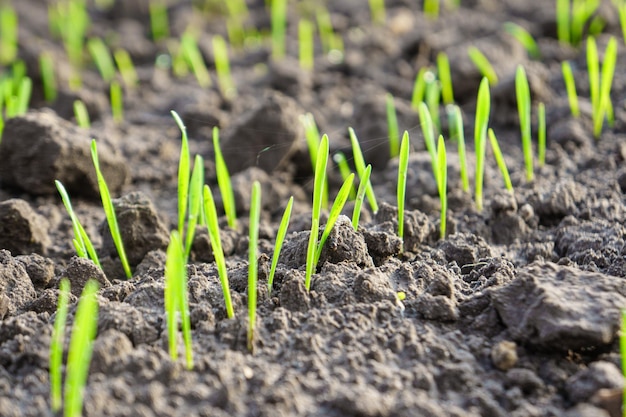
x=515, y=313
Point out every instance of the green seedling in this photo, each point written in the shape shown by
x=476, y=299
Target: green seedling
x=419, y=87
x=331, y=42
x=335, y=211
x=82, y=243
x=570, y=87
x=117, y=103
x=306, y=52
x=359, y=163
x=428, y=131
x=403, y=167
x=563, y=21
x=455, y=121
x=71, y=21
x=541, y=134
x=392, y=127
x=126, y=68
x=483, y=65
x=222, y=67
x=621, y=10
x=524, y=37
x=522, y=91
x=497, y=153
x=441, y=177
x=603, y=105
x=8, y=34
x=279, y=27
x=193, y=58
x=56, y=347
x=431, y=8
x=102, y=58
x=581, y=13
x=318, y=186
x=183, y=174
x=344, y=170
x=81, y=114
x=195, y=202
x=223, y=181
x=443, y=69
x=23, y=95
x=377, y=11
x=360, y=196
x=109, y=211
x=280, y=238
x=216, y=245
x=253, y=242
x=433, y=99
x=312, y=135
x=176, y=302
x=159, y=21
x=81, y=347
x=48, y=79
x=483, y=106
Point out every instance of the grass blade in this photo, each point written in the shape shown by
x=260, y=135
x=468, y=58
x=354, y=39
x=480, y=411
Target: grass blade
x=541, y=134
x=483, y=107
x=359, y=162
x=570, y=87
x=401, y=188
x=81, y=114
x=457, y=131
x=280, y=238
x=344, y=170
x=522, y=91
x=428, y=132
x=442, y=184
x=523, y=37
x=497, y=153
x=360, y=196
x=310, y=253
x=223, y=181
x=392, y=127
x=222, y=67
x=608, y=70
x=183, y=174
x=195, y=202
x=255, y=213
x=483, y=65
x=443, y=68
x=56, y=347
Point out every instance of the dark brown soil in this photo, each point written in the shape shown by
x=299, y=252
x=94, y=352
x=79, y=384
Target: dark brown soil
x=514, y=313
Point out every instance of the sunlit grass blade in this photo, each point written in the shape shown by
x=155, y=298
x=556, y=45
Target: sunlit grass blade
x=194, y=59
x=428, y=132
x=126, y=68
x=522, y=91
x=312, y=135
x=360, y=196
x=563, y=21
x=253, y=242
x=455, y=121
x=483, y=65
x=606, y=81
x=310, y=253
x=431, y=9
x=48, y=79
x=442, y=184
x=223, y=181
x=541, y=134
x=279, y=27
x=524, y=37
x=109, y=211
x=483, y=108
x=159, y=21
x=335, y=211
x=222, y=67
x=377, y=11
x=570, y=87
x=183, y=174
x=433, y=99
x=81, y=114
x=216, y=245
x=419, y=87
x=306, y=50
x=443, y=69
x=102, y=58
x=403, y=165
x=8, y=34
x=497, y=153
x=392, y=127
x=359, y=163
x=81, y=347
x=593, y=69
x=56, y=347
x=278, y=244
x=195, y=202
x=23, y=96
x=344, y=170
x=117, y=104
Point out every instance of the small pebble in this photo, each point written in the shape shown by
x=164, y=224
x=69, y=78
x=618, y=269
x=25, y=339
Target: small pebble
x=504, y=355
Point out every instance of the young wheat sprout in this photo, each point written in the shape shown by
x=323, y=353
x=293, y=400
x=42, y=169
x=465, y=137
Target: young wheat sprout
x=255, y=213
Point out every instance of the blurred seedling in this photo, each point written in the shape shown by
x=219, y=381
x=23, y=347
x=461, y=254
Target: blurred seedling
x=484, y=66
x=377, y=11
x=8, y=34
x=522, y=91
x=359, y=163
x=312, y=135
x=48, y=79
x=126, y=68
x=392, y=127
x=497, y=153
x=403, y=165
x=360, y=196
x=570, y=87
x=102, y=58
x=253, y=241
x=159, y=20
x=344, y=170
x=445, y=78
x=524, y=38
x=278, y=244
x=81, y=114
x=222, y=66
x=194, y=59
x=457, y=133
x=306, y=52
x=600, y=83
x=117, y=102
x=541, y=134
x=223, y=181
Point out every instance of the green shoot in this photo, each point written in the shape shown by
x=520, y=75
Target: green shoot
x=195, y=202
x=392, y=127
x=223, y=181
x=216, y=245
x=8, y=34
x=81, y=114
x=483, y=107
x=255, y=212
x=23, y=95
x=455, y=121
x=81, y=347
x=56, y=347
x=159, y=21
x=82, y=243
x=280, y=238
x=497, y=153
x=102, y=58
x=582, y=11
x=442, y=183
x=176, y=299
x=431, y=8
x=310, y=253
x=312, y=136
x=419, y=87
x=433, y=98
x=46, y=68
x=377, y=11
x=621, y=10
x=109, y=211
x=306, y=52
x=428, y=131
x=563, y=21
x=222, y=67
x=335, y=211
x=183, y=174
x=359, y=163
x=443, y=68
x=332, y=44
x=603, y=103
x=279, y=26
x=360, y=196
x=403, y=166
x=71, y=21
x=344, y=170
x=541, y=134
x=522, y=91
x=483, y=65
x=525, y=38
x=126, y=67
x=194, y=59
x=117, y=105
x=570, y=87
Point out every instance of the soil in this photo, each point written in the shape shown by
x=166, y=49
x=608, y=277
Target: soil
x=515, y=313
